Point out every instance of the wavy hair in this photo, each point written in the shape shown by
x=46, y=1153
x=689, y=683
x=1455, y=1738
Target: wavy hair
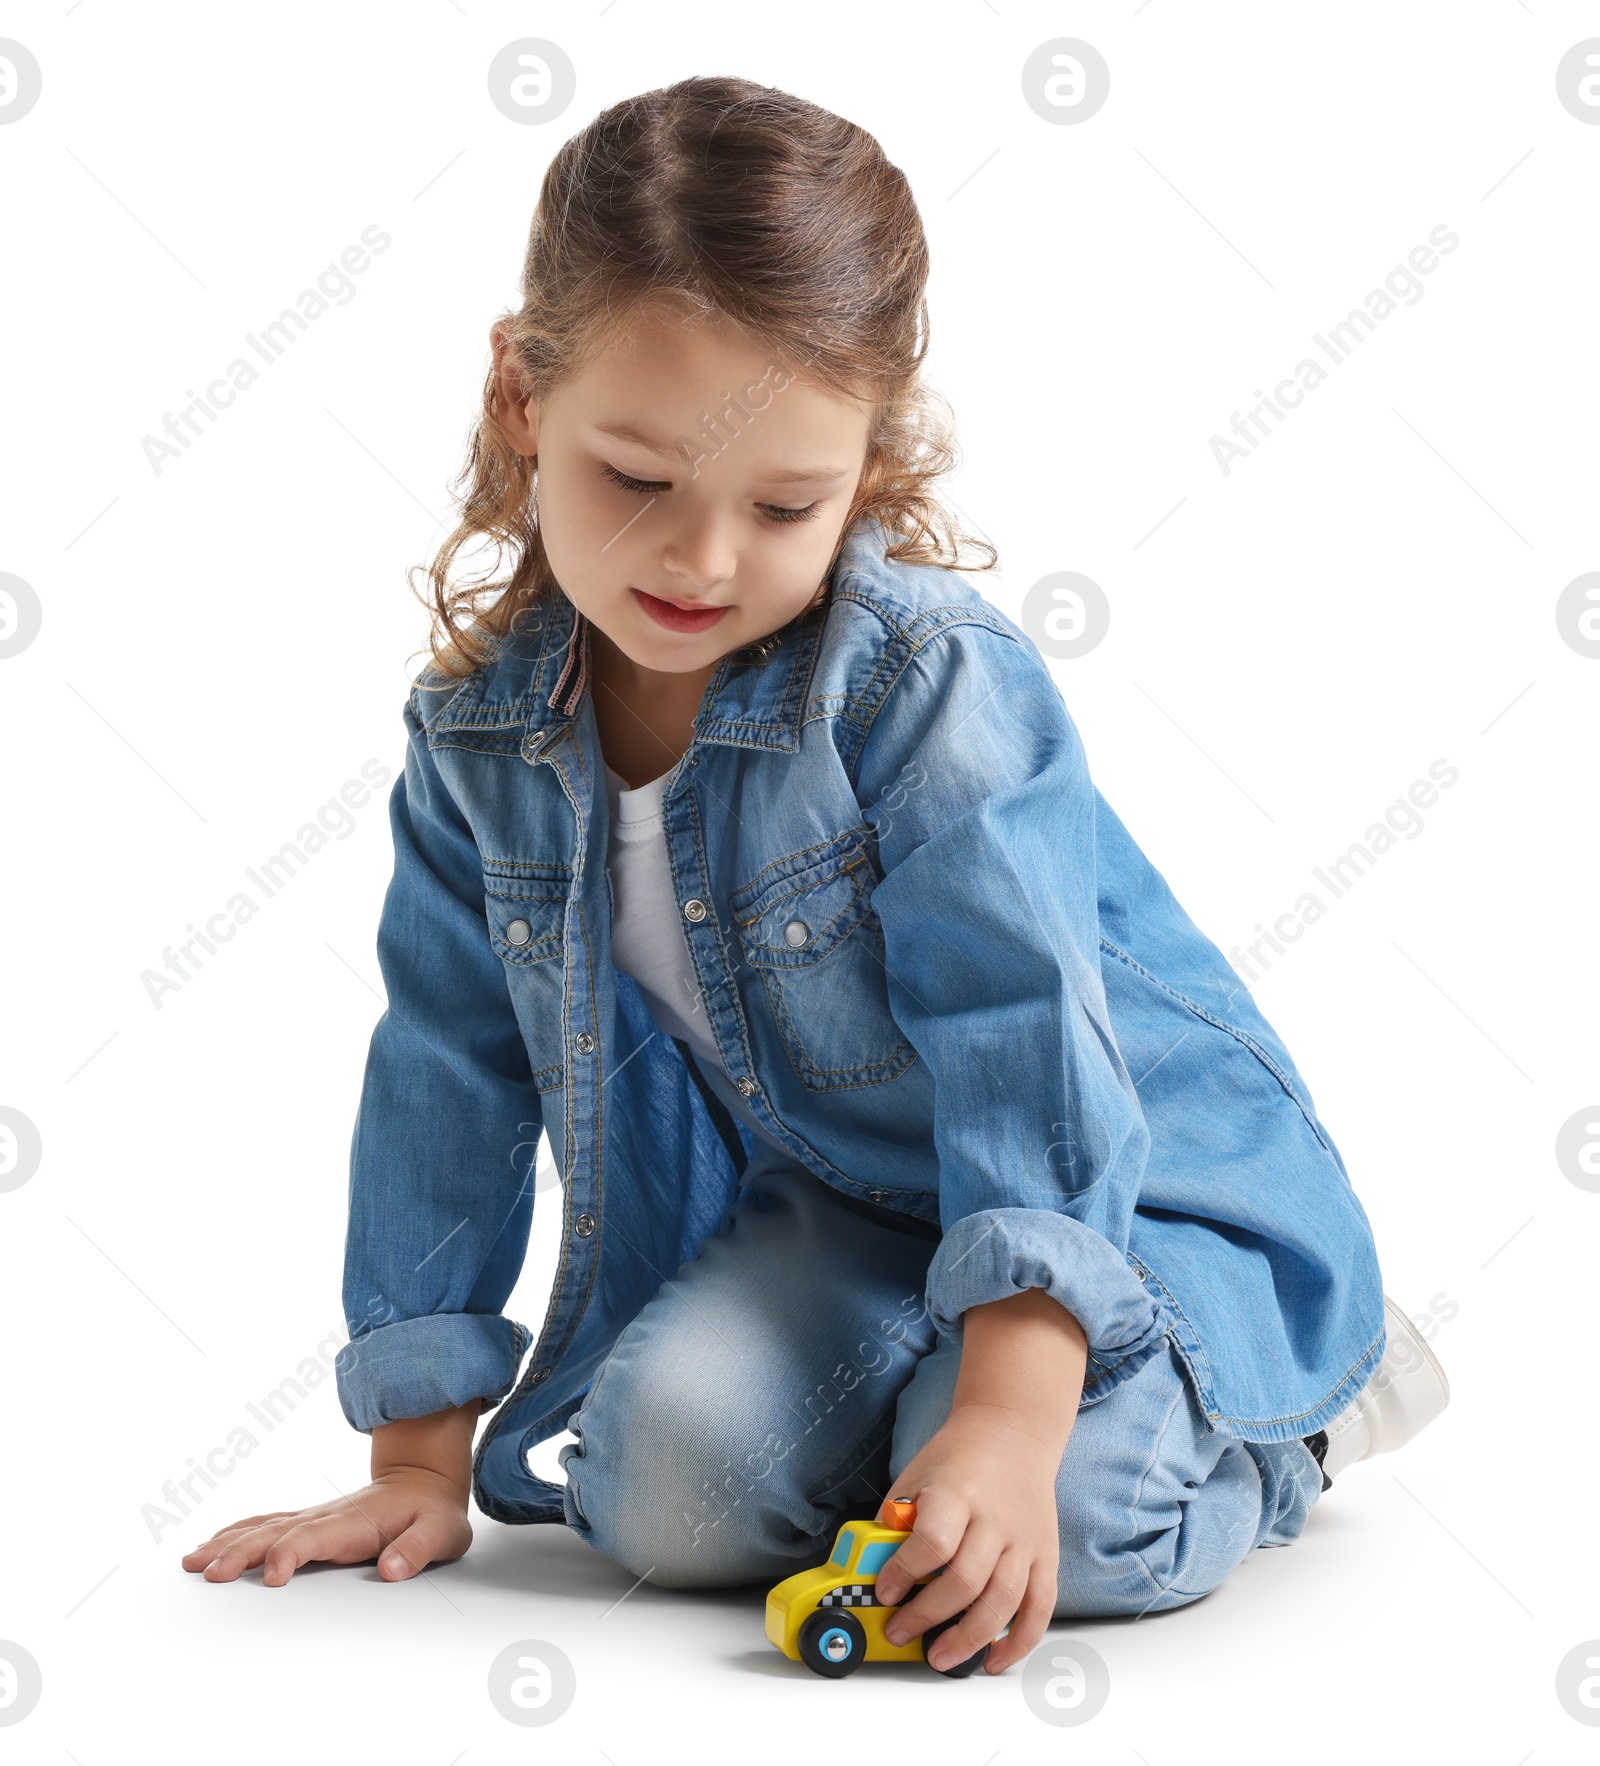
x=741, y=201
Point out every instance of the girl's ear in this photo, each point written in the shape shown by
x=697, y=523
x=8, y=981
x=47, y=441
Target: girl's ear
x=514, y=407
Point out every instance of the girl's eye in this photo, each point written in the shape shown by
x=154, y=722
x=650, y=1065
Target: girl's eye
x=632, y=484
x=648, y=487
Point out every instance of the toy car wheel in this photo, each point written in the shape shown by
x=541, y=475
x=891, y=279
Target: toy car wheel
x=832, y=1644
x=961, y=1669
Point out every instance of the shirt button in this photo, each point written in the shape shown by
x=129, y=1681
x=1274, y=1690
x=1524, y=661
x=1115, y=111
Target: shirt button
x=583, y=1042
x=518, y=932
x=694, y=910
x=583, y=1225
x=796, y=933
x=542, y=1374
x=746, y=1087
x=877, y=1196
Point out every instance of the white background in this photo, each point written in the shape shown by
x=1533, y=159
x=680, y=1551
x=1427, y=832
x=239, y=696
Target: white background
x=1291, y=645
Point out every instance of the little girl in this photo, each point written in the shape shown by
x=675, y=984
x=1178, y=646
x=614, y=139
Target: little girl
x=912, y=1139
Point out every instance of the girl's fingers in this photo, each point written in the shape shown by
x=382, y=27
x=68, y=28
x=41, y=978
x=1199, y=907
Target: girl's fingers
x=426, y=1541
x=961, y=1582
x=345, y=1538
x=246, y=1550
x=986, y=1615
x=201, y=1555
x=278, y=1514
x=941, y=1526
x=1029, y=1626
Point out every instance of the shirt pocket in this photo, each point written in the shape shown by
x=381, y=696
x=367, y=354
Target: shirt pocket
x=807, y=928
x=526, y=904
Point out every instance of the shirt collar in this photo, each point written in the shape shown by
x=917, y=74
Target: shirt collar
x=536, y=686
x=754, y=699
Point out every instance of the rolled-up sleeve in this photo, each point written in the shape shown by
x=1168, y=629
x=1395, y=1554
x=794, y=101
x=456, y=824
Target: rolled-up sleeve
x=975, y=782
x=442, y=1156
x=997, y=1252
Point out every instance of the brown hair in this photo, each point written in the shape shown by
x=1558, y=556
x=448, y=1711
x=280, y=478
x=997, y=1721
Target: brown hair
x=739, y=200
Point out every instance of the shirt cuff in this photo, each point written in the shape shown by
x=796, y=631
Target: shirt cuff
x=1001, y=1251
x=417, y=1366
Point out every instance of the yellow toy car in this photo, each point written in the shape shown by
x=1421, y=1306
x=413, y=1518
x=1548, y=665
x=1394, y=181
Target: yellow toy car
x=828, y=1618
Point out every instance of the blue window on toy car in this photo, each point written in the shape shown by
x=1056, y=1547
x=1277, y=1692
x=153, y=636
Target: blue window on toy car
x=874, y=1556
x=842, y=1548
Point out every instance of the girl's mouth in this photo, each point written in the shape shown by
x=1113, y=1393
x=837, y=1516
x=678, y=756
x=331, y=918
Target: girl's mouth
x=678, y=618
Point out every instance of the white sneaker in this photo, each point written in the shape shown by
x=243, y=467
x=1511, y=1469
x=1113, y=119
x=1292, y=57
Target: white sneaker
x=1406, y=1393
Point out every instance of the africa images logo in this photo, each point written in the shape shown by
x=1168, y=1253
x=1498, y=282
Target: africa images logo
x=1402, y=285
x=333, y=287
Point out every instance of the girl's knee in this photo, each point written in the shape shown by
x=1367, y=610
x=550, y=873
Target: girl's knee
x=677, y=1490
x=1170, y=1543
x=1098, y=1580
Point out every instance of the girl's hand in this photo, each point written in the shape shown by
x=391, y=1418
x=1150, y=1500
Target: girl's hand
x=985, y=1486
x=407, y=1519
x=985, y=1490
x=412, y=1514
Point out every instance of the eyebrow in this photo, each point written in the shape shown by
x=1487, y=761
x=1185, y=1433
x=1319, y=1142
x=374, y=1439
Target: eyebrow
x=626, y=433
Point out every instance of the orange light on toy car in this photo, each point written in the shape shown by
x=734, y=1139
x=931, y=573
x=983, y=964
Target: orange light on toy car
x=899, y=1512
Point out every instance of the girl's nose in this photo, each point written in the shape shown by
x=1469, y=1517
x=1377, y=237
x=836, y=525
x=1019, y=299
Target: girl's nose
x=699, y=558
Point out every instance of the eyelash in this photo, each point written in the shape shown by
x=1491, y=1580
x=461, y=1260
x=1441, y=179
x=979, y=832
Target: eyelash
x=774, y=512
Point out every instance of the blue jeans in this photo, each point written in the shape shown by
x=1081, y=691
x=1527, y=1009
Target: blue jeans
x=782, y=1380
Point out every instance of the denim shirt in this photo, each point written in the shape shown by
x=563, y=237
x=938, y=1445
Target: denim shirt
x=940, y=972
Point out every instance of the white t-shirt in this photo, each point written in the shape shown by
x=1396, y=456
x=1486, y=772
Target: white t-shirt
x=648, y=941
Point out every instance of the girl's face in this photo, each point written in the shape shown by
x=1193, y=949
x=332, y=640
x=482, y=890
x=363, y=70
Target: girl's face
x=691, y=491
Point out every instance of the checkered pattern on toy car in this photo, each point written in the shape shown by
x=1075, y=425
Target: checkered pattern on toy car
x=858, y=1594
